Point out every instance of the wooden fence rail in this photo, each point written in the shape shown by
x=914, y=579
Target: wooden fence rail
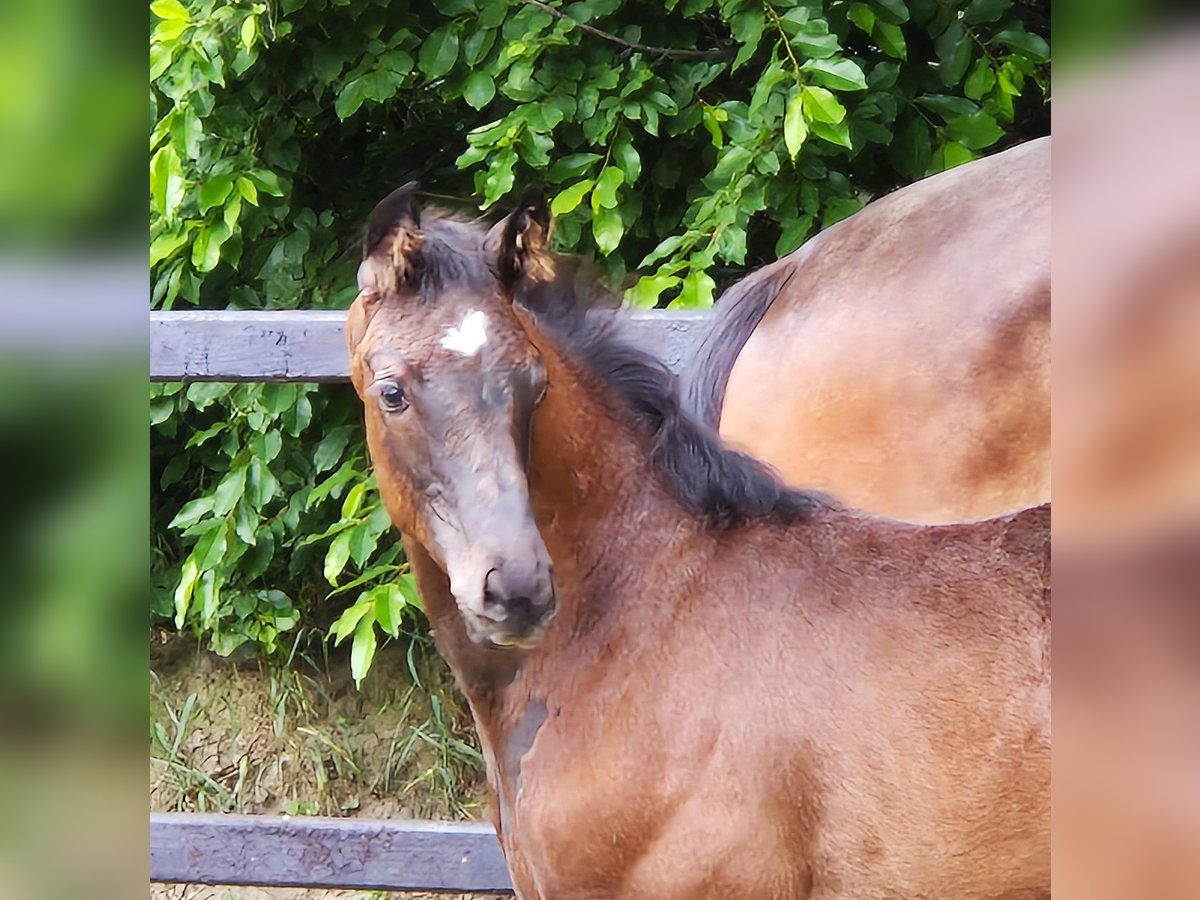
x=312, y=852
x=308, y=345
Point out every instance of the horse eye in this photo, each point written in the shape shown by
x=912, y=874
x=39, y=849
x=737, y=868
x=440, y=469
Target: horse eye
x=392, y=398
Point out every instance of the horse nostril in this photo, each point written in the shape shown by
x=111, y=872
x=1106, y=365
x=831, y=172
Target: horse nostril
x=518, y=611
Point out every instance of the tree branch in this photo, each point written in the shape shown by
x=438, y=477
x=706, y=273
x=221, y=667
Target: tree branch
x=641, y=48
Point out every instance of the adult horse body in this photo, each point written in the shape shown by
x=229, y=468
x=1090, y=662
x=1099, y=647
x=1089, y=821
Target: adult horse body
x=901, y=359
x=689, y=682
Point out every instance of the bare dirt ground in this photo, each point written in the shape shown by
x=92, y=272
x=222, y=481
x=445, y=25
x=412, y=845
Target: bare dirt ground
x=255, y=739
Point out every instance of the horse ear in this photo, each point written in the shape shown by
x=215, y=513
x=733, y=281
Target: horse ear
x=525, y=240
x=393, y=234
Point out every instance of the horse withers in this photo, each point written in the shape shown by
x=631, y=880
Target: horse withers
x=688, y=680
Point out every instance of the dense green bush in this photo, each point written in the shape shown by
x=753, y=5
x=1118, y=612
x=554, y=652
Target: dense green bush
x=682, y=143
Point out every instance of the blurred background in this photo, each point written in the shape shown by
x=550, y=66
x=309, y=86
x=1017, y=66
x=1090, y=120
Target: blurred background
x=1126, y=454
x=74, y=494
x=73, y=456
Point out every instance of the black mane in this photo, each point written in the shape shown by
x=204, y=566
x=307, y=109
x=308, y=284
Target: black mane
x=722, y=487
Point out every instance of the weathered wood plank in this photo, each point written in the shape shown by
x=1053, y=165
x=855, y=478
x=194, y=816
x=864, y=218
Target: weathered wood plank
x=307, y=345
x=303, y=851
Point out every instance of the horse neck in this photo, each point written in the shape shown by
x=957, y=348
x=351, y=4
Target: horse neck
x=600, y=509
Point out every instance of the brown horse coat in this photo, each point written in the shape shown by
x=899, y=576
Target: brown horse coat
x=744, y=692
x=901, y=359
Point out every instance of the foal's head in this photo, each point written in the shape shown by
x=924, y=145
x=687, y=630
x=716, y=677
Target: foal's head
x=449, y=382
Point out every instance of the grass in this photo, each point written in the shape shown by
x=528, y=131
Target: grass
x=266, y=738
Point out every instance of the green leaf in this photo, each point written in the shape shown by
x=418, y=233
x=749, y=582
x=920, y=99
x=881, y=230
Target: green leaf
x=161, y=248
x=979, y=12
x=160, y=59
x=795, y=130
x=981, y=79
x=883, y=77
x=733, y=161
x=952, y=154
x=896, y=11
x=362, y=544
x=839, y=74
x=192, y=512
x=1031, y=45
x=747, y=29
x=821, y=106
x=815, y=41
x=891, y=40
x=245, y=523
x=336, y=557
x=296, y=419
x=353, y=501
x=838, y=208
x=247, y=191
x=170, y=10
x=862, y=16
x=166, y=180
x=571, y=166
x=208, y=594
x=362, y=650
x=389, y=608
x=697, y=291
x=214, y=191
x=663, y=102
x=607, y=228
x=668, y=246
x=793, y=234
x=249, y=31
x=492, y=12
x=261, y=484
x=499, y=178
x=329, y=450
x=954, y=54
x=327, y=63
x=168, y=30
x=350, y=98
x=229, y=491
x=267, y=181
x=478, y=44
x=605, y=193
x=836, y=133
x=768, y=163
x=439, y=52
x=645, y=294
x=712, y=119
x=479, y=89
x=345, y=624
x=567, y=200
x=976, y=131
x=206, y=251
x=188, y=575
x=628, y=159
x=984, y=11
x=398, y=62
x=948, y=106
x=210, y=547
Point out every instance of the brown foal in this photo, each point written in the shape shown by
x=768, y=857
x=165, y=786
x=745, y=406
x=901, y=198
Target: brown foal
x=901, y=359
x=689, y=681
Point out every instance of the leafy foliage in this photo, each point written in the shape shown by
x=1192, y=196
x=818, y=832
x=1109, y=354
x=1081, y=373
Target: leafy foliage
x=682, y=143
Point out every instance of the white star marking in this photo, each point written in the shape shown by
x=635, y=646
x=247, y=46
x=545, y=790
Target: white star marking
x=468, y=337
